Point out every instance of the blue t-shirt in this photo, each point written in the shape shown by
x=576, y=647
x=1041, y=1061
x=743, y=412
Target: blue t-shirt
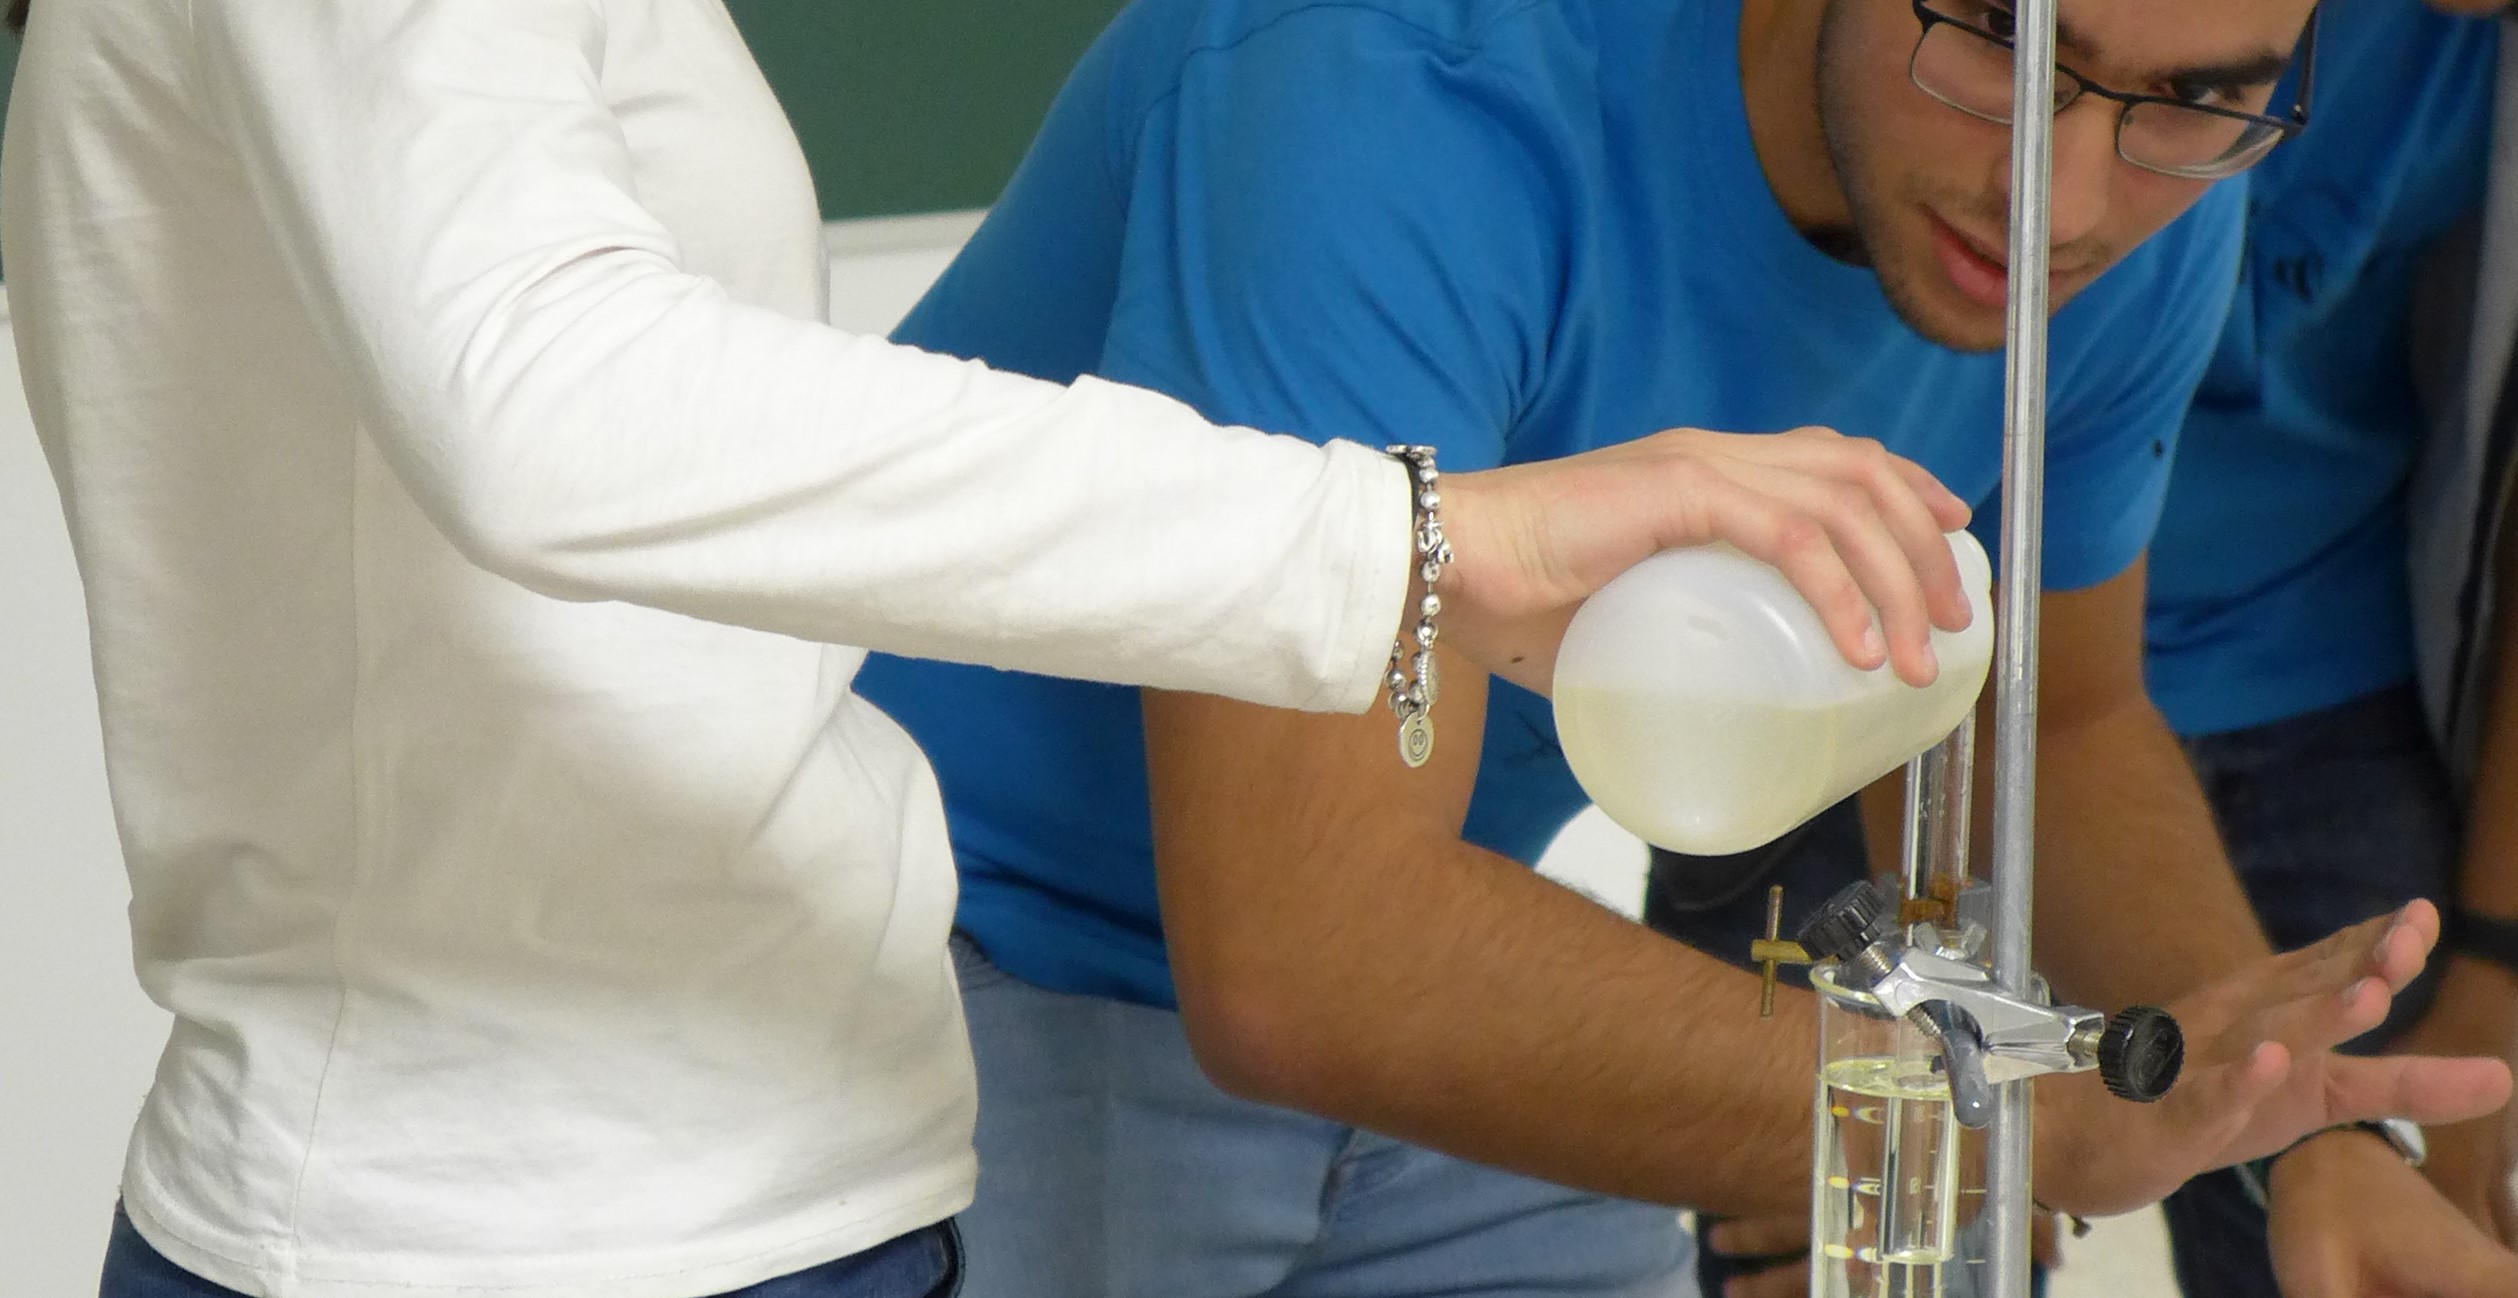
x=1512, y=229
x=2278, y=580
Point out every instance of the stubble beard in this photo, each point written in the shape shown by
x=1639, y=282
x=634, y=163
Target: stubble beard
x=1859, y=244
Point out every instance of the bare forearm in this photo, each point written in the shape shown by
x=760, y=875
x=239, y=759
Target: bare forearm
x=1487, y=1012
x=2477, y=1007
x=2488, y=882
x=2136, y=901
x=1456, y=1000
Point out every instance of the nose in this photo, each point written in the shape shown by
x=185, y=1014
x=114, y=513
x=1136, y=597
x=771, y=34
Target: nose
x=2085, y=168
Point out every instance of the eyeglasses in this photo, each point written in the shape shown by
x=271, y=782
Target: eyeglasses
x=1968, y=65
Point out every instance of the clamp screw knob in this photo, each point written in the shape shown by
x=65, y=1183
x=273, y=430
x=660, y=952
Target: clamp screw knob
x=1847, y=925
x=2141, y=1053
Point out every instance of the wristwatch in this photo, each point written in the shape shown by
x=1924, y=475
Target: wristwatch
x=2401, y=1134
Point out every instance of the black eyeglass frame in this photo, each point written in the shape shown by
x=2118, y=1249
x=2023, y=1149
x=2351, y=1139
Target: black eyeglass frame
x=2287, y=126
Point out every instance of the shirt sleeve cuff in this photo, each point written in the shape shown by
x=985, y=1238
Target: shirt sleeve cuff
x=1366, y=537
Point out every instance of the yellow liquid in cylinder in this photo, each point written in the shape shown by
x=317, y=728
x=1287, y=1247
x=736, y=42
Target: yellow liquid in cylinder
x=1885, y=1196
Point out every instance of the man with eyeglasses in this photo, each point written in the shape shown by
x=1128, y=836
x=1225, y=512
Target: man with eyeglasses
x=1514, y=229
x=2281, y=643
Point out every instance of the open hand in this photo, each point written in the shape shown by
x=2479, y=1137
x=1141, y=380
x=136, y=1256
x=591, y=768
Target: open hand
x=2261, y=1073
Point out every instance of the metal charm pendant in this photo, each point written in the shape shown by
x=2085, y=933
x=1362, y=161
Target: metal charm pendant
x=1427, y=679
x=1416, y=740
x=1413, y=653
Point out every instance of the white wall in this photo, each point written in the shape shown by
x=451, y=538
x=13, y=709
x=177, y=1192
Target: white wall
x=880, y=267
x=76, y=1038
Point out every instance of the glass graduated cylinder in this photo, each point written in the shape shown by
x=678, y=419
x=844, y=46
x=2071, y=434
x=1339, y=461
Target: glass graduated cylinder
x=1897, y=1180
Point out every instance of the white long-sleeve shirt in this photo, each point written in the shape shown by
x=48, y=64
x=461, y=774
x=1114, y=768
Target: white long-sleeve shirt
x=468, y=500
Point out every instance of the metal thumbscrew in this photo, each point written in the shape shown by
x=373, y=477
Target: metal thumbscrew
x=2141, y=1053
x=1848, y=924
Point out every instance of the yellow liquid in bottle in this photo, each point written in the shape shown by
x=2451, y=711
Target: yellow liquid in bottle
x=1715, y=775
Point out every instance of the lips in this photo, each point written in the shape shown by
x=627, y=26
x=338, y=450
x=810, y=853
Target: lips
x=1982, y=276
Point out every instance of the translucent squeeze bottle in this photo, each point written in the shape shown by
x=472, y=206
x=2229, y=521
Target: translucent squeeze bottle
x=1703, y=706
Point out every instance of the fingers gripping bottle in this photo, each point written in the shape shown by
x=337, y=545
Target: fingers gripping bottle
x=1703, y=706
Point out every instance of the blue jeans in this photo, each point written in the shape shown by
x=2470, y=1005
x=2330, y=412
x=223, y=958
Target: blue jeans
x=1109, y=1167
x=921, y=1264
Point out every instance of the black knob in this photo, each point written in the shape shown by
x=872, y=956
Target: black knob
x=2140, y=1053
x=1851, y=921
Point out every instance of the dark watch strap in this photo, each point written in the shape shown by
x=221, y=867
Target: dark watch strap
x=2256, y=1175
x=2484, y=937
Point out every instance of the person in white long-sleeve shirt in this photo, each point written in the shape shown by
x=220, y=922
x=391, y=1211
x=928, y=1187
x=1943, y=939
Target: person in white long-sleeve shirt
x=473, y=511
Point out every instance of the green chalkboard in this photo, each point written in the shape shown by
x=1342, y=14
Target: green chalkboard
x=903, y=105
x=916, y=105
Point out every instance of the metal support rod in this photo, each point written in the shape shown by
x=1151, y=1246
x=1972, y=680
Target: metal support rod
x=2007, y=1187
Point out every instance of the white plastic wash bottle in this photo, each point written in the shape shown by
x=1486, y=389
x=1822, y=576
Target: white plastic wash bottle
x=1703, y=706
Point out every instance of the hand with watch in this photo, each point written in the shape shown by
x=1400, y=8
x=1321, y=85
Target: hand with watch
x=2475, y=1011
x=2400, y=1135
x=2350, y=1217
x=2351, y=1211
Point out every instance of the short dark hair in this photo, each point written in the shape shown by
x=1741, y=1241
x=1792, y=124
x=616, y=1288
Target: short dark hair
x=17, y=16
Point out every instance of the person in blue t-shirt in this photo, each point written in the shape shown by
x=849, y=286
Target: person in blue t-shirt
x=1516, y=229
x=2279, y=638
x=2280, y=630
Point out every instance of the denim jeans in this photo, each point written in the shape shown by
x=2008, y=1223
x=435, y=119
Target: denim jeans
x=921, y=1264
x=1110, y=1167
x=2329, y=818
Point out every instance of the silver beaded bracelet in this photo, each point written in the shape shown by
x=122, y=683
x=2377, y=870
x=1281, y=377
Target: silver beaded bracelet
x=1412, y=701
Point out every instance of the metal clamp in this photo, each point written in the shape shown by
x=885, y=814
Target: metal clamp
x=1988, y=1035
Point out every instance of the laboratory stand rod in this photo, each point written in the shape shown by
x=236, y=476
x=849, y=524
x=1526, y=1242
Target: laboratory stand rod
x=2007, y=1198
